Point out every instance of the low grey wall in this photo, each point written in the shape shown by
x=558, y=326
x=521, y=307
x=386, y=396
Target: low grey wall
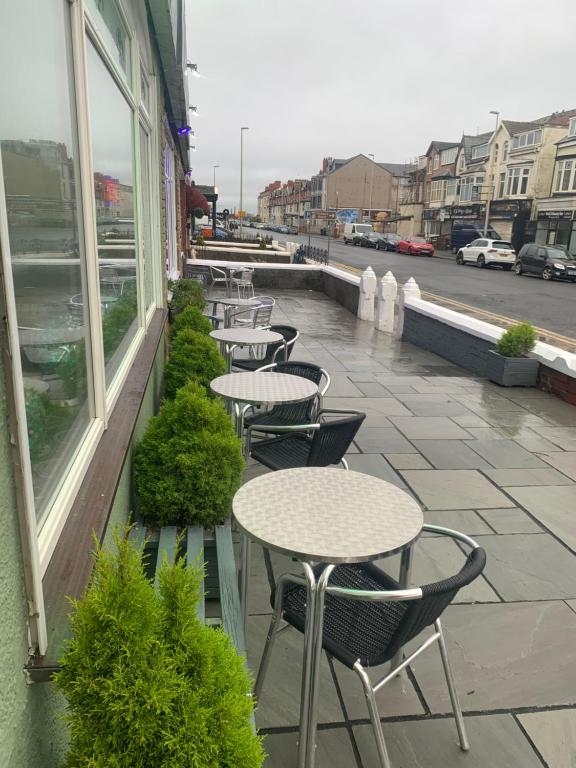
x=292, y=279
x=343, y=292
x=459, y=347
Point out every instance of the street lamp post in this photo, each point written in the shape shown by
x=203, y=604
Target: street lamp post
x=371, y=188
x=491, y=186
x=214, y=168
x=244, y=128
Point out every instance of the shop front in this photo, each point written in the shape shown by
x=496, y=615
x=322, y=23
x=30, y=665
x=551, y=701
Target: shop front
x=557, y=226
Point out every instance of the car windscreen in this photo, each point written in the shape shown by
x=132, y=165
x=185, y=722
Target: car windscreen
x=363, y=228
x=417, y=240
x=503, y=245
x=556, y=253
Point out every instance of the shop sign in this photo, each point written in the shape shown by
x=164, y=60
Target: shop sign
x=555, y=215
x=431, y=214
x=348, y=215
x=461, y=211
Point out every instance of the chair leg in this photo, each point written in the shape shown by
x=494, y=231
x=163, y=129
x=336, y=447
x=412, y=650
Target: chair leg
x=265, y=660
x=464, y=744
x=374, y=716
x=344, y=463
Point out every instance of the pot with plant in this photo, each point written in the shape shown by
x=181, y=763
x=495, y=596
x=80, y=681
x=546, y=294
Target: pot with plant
x=507, y=363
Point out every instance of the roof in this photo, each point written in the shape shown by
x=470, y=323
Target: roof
x=397, y=169
x=440, y=145
x=468, y=142
x=513, y=127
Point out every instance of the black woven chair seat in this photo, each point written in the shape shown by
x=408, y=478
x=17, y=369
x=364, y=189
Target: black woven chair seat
x=353, y=630
x=280, y=415
x=250, y=364
x=284, y=452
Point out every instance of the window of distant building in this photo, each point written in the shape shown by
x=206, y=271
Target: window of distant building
x=480, y=152
x=448, y=156
x=505, y=147
x=501, y=184
x=572, y=127
x=565, y=177
x=437, y=191
x=529, y=139
x=436, y=162
x=517, y=181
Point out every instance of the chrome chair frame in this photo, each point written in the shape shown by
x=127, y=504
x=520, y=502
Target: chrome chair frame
x=370, y=690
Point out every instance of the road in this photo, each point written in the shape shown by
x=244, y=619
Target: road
x=550, y=306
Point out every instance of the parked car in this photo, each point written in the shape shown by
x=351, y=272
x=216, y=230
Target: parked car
x=353, y=232
x=388, y=241
x=464, y=232
x=415, y=246
x=550, y=262
x=487, y=253
x=293, y=230
x=370, y=240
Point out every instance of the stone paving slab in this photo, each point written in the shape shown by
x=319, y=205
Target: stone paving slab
x=554, y=735
x=429, y=428
x=529, y=567
x=407, y=461
x=536, y=444
x=523, y=477
x=512, y=520
x=450, y=454
x=464, y=520
x=505, y=454
x=496, y=741
x=382, y=440
x=564, y=462
x=572, y=604
x=563, y=437
x=333, y=748
x=504, y=656
x=455, y=489
x=376, y=465
x=552, y=505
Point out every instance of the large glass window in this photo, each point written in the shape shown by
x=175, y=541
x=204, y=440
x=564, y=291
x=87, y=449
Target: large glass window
x=113, y=165
x=42, y=190
x=110, y=25
x=147, y=258
x=565, y=176
x=517, y=181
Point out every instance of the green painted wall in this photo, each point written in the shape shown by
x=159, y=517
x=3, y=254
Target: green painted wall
x=32, y=734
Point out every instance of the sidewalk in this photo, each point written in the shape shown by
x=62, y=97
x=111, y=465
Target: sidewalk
x=497, y=464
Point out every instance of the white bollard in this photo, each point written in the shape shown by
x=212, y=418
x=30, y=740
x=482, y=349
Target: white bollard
x=409, y=289
x=387, y=292
x=367, y=293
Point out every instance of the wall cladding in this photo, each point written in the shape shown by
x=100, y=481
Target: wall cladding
x=556, y=383
x=342, y=291
x=459, y=347
x=290, y=279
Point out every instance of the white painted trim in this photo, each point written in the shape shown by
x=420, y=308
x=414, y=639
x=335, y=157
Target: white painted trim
x=115, y=386
x=342, y=274
x=38, y=637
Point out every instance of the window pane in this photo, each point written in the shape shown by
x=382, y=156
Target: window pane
x=112, y=157
x=39, y=157
x=147, y=258
x=107, y=18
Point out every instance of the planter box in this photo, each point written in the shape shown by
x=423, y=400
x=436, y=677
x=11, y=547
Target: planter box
x=511, y=371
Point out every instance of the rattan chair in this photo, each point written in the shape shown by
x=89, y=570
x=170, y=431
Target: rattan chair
x=276, y=419
x=369, y=618
x=319, y=444
x=273, y=351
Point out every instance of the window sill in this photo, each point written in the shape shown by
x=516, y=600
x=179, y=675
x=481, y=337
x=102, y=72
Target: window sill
x=69, y=570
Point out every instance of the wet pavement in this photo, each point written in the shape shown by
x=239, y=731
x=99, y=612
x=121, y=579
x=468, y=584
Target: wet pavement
x=498, y=464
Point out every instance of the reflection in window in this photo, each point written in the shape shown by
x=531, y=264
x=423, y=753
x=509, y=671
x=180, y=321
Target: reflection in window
x=146, y=217
x=111, y=27
x=112, y=160
x=39, y=159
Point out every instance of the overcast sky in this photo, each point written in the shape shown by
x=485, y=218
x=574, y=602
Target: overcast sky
x=318, y=78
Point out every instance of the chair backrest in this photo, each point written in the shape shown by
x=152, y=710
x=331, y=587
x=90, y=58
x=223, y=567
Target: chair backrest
x=262, y=315
x=289, y=333
x=331, y=441
x=436, y=597
x=266, y=300
x=300, y=413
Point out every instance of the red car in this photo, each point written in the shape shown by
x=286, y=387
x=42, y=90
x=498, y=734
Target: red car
x=415, y=246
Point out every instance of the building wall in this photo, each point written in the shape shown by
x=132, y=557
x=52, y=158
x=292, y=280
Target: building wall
x=353, y=181
x=413, y=225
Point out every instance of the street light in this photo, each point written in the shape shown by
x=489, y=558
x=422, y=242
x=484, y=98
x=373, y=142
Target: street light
x=193, y=68
x=214, y=168
x=371, y=187
x=242, y=129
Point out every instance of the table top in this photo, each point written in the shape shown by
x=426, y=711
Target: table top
x=267, y=387
x=327, y=515
x=250, y=336
x=230, y=301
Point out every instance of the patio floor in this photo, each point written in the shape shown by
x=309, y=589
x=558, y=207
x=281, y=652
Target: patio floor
x=497, y=464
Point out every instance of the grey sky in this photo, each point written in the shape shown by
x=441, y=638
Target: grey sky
x=316, y=78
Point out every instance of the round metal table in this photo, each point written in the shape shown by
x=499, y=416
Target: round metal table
x=229, y=303
x=268, y=388
x=323, y=517
x=244, y=337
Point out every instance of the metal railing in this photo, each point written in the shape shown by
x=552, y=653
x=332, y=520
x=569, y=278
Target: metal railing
x=318, y=255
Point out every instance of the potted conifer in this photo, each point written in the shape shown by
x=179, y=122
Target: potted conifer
x=507, y=363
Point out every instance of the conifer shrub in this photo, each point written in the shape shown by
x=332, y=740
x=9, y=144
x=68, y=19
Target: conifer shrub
x=186, y=293
x=148, y=685
x=194, y=356
x=517, y=341
x=189, y=463
x=193, y=320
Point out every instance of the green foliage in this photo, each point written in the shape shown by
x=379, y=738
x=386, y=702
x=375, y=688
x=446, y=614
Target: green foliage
x=191, y=319
x=198, y=213
x=189, y=463
x=517, y=341
x=200, y=241
x=186, y=293
x=118, y=319
x=262, y=244
x=47, y=423
x=148, y=685
x=72, y=371
x=194, y=356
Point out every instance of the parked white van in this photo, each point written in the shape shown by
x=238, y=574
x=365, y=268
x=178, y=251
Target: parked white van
x=353, y=233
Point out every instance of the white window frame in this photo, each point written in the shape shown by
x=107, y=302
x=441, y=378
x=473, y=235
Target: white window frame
x=505, y=149
x=437, y=191
x=448, y=156
x=39, y=542
x=565, y=169
x=501, y=184
x=572, y=127
x=480, y=152
x=436, y=162
x=527, y=139
x=515, y=177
